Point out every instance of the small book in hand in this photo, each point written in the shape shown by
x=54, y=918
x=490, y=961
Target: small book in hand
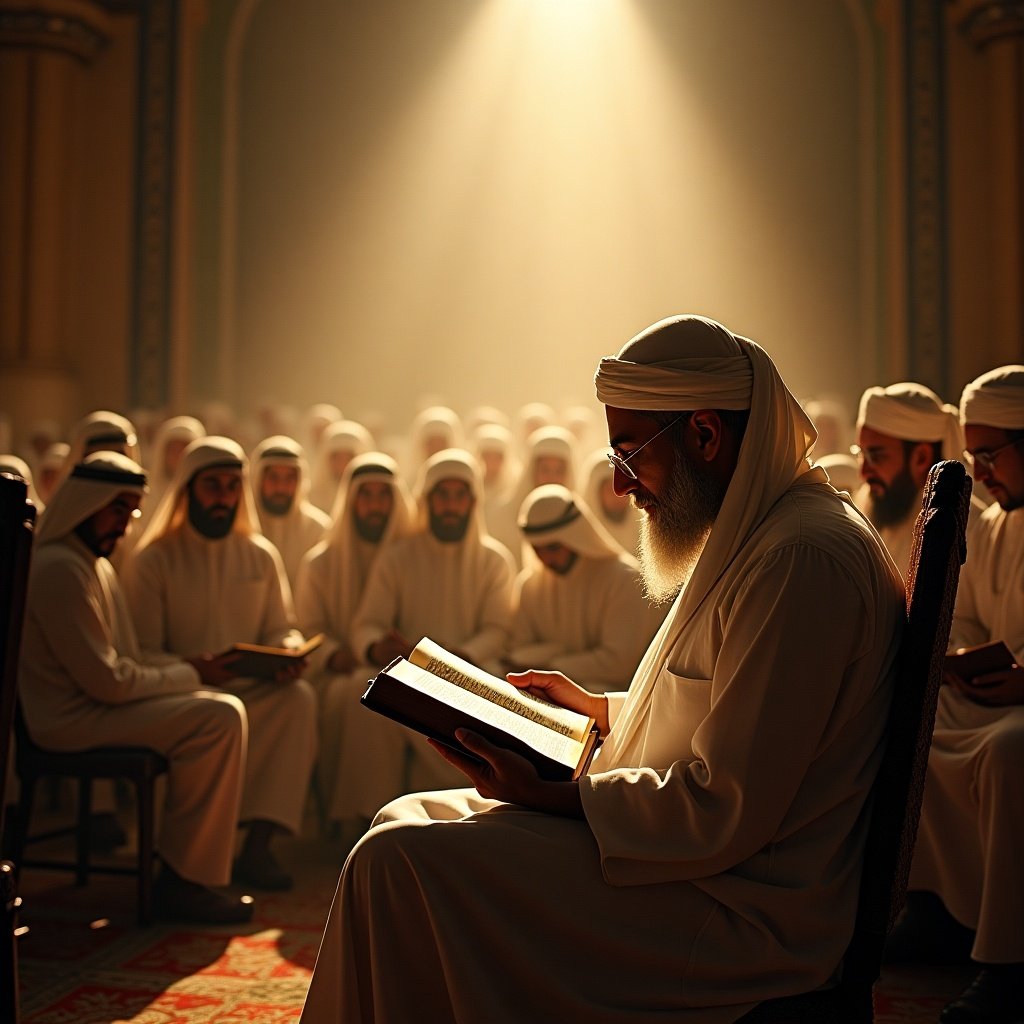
x=262, y=662
x=969, y=662
x=435, y=693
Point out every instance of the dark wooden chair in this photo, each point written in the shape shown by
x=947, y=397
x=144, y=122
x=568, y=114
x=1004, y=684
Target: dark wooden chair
x=139, y=766
x=940, y=548
x=17, y=516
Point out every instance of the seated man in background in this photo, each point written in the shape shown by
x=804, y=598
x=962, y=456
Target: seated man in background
x=970, y=845
x=902, y=431
x=202, y=579
x=373, y=508
x=291, y=522
x=712, y=857
x=83, y=683
x=580, y=607
x=448, y=580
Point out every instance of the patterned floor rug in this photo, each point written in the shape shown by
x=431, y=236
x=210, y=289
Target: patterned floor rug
x=85, y=961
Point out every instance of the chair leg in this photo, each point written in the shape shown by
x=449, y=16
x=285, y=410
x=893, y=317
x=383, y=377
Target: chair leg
x=23, y=818
x=82, y=830
x=146, y=823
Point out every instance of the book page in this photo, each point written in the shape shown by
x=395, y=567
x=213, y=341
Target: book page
x=436, y=660
x=555, y=744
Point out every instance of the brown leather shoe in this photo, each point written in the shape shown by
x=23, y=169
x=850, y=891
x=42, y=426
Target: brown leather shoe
x=177, y=899
x=995, y=996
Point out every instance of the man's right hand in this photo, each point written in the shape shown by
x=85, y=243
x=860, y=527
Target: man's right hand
x=561, y=690
x=214, y=669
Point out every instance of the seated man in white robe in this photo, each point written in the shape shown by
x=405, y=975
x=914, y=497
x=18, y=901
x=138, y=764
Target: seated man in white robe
x=902, y=431
x=970, y=844
x=288, y=519
x=372, y=510
x=711, y=858
x=202, y=579
x=580, y=605
x=448, y=580
x=84, y=682
x=340, y=443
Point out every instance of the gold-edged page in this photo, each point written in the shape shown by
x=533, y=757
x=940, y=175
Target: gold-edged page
x=435, y=659
x=554, y=744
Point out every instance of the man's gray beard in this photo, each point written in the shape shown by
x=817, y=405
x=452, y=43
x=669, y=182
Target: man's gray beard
x=671, y=540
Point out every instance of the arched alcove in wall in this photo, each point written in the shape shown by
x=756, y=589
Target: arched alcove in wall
x=481, y=198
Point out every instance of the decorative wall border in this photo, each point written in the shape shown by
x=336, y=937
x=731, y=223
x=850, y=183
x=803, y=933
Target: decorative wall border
x=928, y=315
x=154, y=172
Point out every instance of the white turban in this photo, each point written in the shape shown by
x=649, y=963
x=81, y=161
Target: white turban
x=685, y=363
x=203, y=453
x=553, y=514
x=912, y=412
x=90, y=486
x=450, y=464
x=995, y=399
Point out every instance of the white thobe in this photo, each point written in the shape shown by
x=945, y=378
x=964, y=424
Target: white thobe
x=592, y=623
x=294, y=534
x=458, y=594
x=970, y=844
x=720, y=858
x=83, y=683
x=326, y=604
x=191, y=595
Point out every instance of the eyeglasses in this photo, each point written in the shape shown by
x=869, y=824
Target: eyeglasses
x=986, y=460
x=619, y=462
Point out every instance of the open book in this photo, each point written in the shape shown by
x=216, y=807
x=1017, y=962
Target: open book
x=969, y=662
x=262, y=662
x=435, y=693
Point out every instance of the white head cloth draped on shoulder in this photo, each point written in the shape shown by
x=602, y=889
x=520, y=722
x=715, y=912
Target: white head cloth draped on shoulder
x=91, y=485
x=912, y=412
x=685, y=363
x=995, y=399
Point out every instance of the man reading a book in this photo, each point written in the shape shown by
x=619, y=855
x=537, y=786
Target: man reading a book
x=83, y=682
x=970, y=844
x=203, y=579
x=711, y=857
x=579, y=605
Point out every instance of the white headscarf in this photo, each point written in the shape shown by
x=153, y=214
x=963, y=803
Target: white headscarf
x=203, y=453
x=449, y=464
x=100, y=430
x=91, y=485
x=553, y=514
x=339, y=545
x=279, y=450
x=995, y=399
x=340, y=436
x=688, y=363
x=912, y=412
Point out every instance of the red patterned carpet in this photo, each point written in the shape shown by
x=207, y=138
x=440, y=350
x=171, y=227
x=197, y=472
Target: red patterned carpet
x=84, y=961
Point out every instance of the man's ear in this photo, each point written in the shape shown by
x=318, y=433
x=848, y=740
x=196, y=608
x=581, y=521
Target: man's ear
x=707, y=426
x=920, y=461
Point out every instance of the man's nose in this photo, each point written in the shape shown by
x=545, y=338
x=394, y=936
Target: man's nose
x=622, y=483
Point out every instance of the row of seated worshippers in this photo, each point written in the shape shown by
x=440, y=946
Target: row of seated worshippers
x=202, y=575
x=966, y=897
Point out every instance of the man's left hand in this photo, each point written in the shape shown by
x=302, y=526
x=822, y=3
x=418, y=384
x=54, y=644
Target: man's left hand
x=507, y=776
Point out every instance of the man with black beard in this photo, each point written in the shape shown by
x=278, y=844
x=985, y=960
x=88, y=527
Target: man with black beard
x=372, y=510
x=902, y=431
x=203, y=578
x=448, y=580
x=291, y=522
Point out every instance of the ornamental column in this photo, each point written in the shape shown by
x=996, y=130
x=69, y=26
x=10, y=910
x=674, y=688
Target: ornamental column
x=46, y=50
